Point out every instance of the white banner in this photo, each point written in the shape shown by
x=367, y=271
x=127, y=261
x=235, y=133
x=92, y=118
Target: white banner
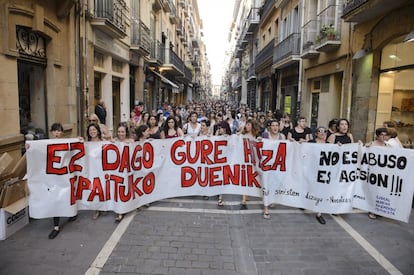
x=66, y=175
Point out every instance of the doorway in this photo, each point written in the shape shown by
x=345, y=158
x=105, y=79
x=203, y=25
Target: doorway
x=32, y=99
x=116, y=102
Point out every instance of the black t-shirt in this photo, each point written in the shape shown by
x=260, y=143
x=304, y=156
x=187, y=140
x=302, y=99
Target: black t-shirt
x=297, y=136
x=344, y=139
x=314, y=141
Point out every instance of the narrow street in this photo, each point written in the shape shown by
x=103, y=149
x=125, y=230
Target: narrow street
x=194, y=236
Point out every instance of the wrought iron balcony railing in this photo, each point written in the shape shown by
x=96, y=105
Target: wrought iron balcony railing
x=140, y=36
x=113, y=11
x=180, y=65
x=266, y=8
x=351, y=5
x=265, y=54
x=157, y=52
x=287, y=48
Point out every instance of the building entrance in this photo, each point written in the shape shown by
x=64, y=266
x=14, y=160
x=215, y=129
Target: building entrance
x=32, y=99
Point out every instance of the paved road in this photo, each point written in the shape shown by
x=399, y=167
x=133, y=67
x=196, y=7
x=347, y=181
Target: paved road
x=194, y=236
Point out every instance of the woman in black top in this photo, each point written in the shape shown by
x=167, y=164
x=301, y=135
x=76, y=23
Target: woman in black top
x=331, y=128
x=301, y=132
x=154, y=129
x=320, y=137
x=342, y=135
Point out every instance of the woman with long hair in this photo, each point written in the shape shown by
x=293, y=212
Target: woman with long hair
x=171, y=129
x=122, y=135
x=94, y=134
x=154, y=129
x=320, y=138
x=250, y=130
x=142, y=133
x=272, y=133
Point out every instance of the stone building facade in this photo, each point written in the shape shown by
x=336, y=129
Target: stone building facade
x=333, y=59
x=59, y=58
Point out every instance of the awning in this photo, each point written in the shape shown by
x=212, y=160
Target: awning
x=166, y=80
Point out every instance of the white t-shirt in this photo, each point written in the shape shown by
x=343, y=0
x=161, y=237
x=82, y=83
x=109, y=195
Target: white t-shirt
x=394, y=143
x=191, y=131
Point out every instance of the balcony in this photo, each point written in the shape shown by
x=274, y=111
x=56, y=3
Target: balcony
x=140, y=37
x=266, y=8
x=157, y=55
x=281, y=3
x=329, y=29
x=265, y=57
x=253, y=19
x=328, y=39
x=173, y=14
x=196, y=63
x=360, y=11
x=308, y=41
x=237, y=84
x=157, y=5
x=179, y=28
x=109, y=17
x=186, y=14
x=196, y=41
x=167, y=5
x=239, y=51
x=287, y=52
x=251, y=73
x=175, y=66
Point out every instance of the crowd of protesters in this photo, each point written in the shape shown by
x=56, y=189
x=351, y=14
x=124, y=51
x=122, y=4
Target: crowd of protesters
x=217, y=118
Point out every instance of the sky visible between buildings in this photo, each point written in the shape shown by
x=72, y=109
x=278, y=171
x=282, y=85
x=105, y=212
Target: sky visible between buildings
x=217, y=17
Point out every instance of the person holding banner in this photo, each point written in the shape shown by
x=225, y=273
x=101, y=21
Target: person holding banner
x=342, y=136
x=94, y=134
x=142, y=133
x=331, y=128
x=223, y=129
x=380, y=137
x=192, y=127
x=204, y=132
x=320, y=137
x=250, y=130
x=56, y=131
x=154, y=129
x=93, y=119
x=300, y=133
x=122, y=135
x=285, y=124
x=392, y=139
x=171, y=129
x=205, y=128
x=273, y=133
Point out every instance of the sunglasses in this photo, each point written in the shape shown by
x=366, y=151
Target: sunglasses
x=92, y=120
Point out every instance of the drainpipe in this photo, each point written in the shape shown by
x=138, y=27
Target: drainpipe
x=78, y=69
x=300, y=84
x=85, y=64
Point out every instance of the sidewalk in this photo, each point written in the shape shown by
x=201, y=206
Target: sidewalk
x=193, y=236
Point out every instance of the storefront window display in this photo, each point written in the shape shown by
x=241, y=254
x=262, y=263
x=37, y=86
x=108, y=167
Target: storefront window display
x=396, y=90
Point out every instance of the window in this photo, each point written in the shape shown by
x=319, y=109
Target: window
x=98, y=59
x=116, y=66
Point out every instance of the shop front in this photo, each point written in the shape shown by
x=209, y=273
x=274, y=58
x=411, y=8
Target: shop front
x=395, y=105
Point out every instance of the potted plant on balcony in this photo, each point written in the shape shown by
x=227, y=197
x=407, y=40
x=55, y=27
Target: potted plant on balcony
x=327, y=32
